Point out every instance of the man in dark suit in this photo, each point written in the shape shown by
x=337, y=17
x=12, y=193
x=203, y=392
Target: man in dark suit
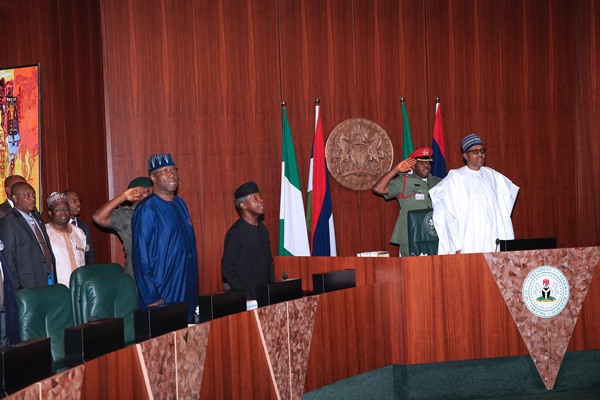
x=75, y=210
x=9, y=316
x=7, y=206
x=31, y=261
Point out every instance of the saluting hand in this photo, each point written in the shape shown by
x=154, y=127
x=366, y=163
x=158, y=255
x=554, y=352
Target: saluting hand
x=135, y=194
x=406, y=165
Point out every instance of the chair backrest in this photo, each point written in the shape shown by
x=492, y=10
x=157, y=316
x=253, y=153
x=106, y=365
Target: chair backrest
x=110, y=296
x=46, y=312
x=422, y=238
x=81, y=275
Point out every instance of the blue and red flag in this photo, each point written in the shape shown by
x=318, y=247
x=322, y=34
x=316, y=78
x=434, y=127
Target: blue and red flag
x=438, y=168
x=319, y=212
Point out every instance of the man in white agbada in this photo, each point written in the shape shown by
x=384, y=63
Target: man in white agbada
x=472, y=205
x=68, y=242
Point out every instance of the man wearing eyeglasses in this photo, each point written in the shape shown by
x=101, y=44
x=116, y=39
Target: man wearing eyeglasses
x=472, y=205
x=165, y=259
x=411, y=191
x=68, y=242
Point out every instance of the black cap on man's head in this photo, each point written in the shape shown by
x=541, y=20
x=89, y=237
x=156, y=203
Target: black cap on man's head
x=246, y=189
x=142, y=181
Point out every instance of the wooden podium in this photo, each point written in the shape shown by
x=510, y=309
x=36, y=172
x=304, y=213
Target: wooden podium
x=402, y=311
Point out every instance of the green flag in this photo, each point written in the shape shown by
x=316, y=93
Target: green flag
x=407, y=146
x=293, y=238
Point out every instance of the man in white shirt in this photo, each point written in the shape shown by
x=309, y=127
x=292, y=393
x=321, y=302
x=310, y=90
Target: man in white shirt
x=473, y=204
x=68, y=241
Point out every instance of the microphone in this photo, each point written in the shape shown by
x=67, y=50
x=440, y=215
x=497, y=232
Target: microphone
x=284, y=275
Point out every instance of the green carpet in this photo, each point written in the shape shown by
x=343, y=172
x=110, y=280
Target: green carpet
x=494, y=378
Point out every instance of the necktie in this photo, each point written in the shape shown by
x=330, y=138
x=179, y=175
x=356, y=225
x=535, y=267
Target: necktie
x=43, y=244
x=74, y=222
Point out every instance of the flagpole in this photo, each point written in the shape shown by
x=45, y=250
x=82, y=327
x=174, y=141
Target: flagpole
x=282, y=103
x=402, y=100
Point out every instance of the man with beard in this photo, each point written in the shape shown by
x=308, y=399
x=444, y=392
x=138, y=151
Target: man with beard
x=165, y=260
x=410, y=189
x=68, y=241
x=75, y=210
x=247, y=261
x=473, y=204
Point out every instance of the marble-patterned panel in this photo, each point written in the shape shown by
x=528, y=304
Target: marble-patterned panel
x=273, y=324
x=29, y=393
x=191, y=346
x=301, y=315
x=64, y=385
x=546, y=338
x=158, y=362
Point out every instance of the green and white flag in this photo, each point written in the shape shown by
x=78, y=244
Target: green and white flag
x=293, y=238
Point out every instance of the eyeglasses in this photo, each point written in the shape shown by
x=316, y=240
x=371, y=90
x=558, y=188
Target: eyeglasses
x=60, y=209
x=169, y=171
x=475, y=152
x=423, y=162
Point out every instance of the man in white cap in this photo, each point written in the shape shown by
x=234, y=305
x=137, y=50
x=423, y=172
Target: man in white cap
x=165, y=259
x=473, y=204
x=68, y=242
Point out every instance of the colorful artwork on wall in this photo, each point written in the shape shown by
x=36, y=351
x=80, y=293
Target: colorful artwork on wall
x=19, y=125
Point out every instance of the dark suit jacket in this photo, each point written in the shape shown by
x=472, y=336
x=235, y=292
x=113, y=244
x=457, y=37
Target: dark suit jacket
x=22, y=250
x=11, y=313
x=5, y=208
x=90, y=255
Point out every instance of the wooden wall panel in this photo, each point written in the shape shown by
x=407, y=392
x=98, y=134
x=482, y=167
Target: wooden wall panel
x=510, y=78
x=205, y=91
x=203, y=80
x=115, y=375
x=504, y=69
x=236, y=366
x=360, y=321
x=587, y=141
x=65, y=39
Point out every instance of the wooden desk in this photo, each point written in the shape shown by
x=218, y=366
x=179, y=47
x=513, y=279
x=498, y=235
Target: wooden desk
x=403, y=311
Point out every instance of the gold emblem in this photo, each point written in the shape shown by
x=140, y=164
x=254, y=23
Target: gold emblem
x=358, y=153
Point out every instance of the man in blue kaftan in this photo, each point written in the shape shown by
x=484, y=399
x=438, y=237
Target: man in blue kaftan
x=165, y=260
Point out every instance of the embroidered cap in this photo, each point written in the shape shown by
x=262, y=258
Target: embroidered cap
x=470, y=141
x=56, y=197
x=157, y=161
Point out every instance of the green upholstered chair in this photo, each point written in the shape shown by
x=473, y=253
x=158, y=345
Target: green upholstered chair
x=81, y=275
x=46, y=312
x=110, y=296
x=422, y=238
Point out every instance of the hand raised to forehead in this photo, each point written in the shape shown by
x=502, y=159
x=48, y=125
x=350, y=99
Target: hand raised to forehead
x=406, y=165
x=135, y=194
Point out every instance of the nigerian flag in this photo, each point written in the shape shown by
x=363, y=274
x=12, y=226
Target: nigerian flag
x=293, y=238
